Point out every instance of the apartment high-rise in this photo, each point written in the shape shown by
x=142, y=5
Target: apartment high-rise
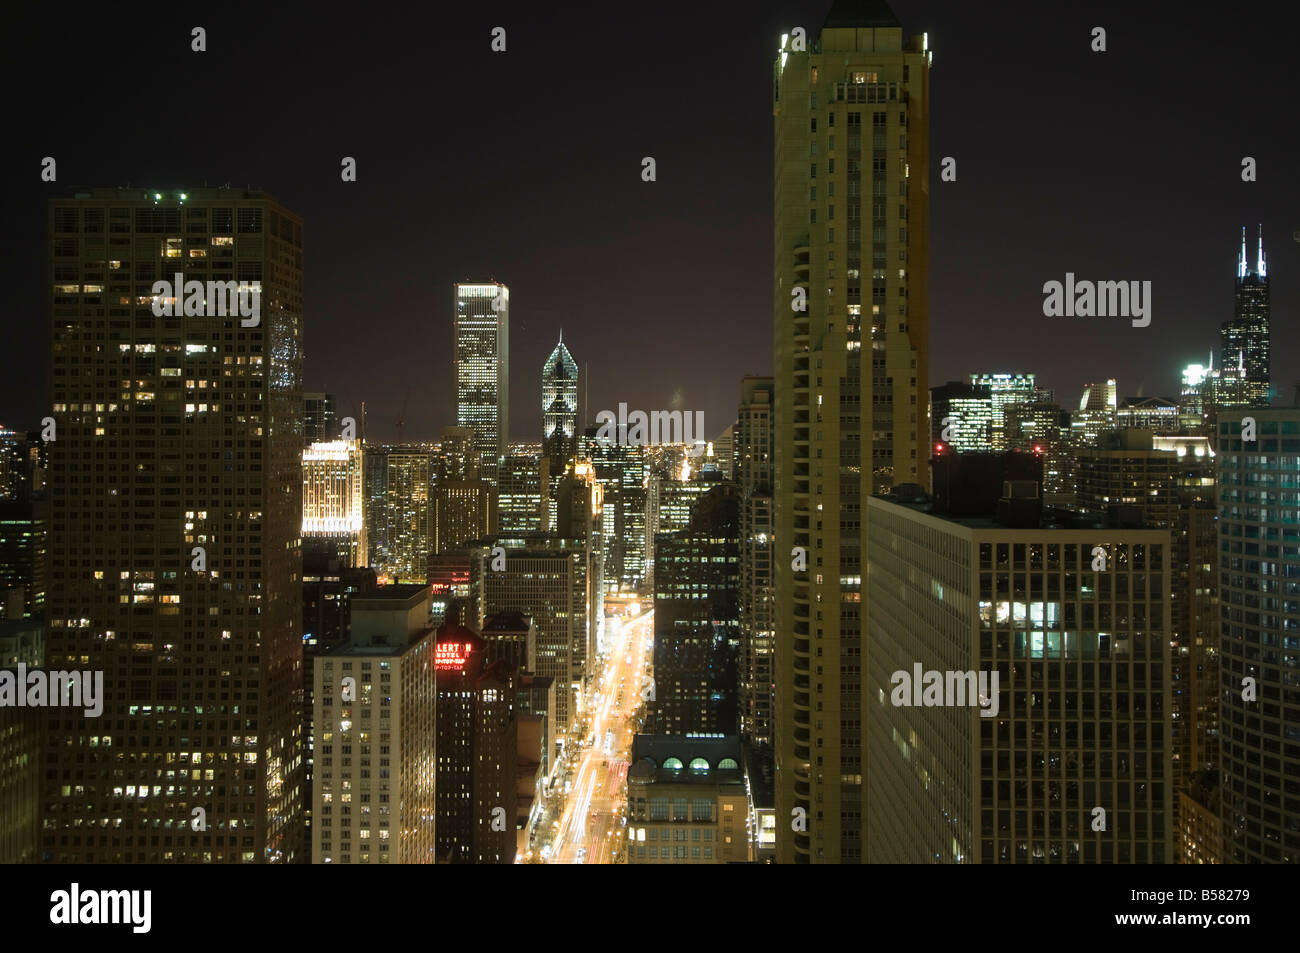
x=560, y=408
x=1245, y=339
x=1259, y=603
x=176, y=492
x=753, y=470
x=375, y=713
x=852, y=117
x=482, y=354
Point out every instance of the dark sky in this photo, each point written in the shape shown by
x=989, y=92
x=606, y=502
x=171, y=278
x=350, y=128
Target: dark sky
x=525, y=165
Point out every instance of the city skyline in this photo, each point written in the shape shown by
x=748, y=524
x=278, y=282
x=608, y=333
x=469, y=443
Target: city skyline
x=936, y=544
x=1085, y=167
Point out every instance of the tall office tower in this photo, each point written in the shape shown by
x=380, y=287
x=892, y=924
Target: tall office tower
x=319, y=421
x=176, y=432
x=408, y=515
x=523, y=487
x=961, y=417
x=375, y=711
x=679, y=783
x=697, y=619
x=620, y=469
x=560, y=408
x=580, y=514
x=24, y=557
x=1245, y=338
x=374, y=480
x=847, y=285
x=482, y=349
x=1082, y=693
x=333, y=501
x=477, y=751
x=1170, y=481
x=1259, y=585
x=1005, y=390
x=1192, y=417
x=545, y=577
x=753, y=469
x=462, y=511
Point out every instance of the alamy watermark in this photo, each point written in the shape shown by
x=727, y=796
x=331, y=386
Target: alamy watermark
x=77, y=906
x=935, y=689
x=1086, y=299
x=216, y=299
x=638, y=429
x=38, y=689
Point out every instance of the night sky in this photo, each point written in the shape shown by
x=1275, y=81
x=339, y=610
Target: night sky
x=525, y=166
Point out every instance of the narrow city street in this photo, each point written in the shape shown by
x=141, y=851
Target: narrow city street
x=590, y=825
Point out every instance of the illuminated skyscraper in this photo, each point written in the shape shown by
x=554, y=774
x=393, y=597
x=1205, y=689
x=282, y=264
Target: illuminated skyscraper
x=559, y=408
x=408, y=514
x=1004, y=391
x=333, y=501
x=852, y=119
x=482, y=349
x=194, y=424
x=1245, y=339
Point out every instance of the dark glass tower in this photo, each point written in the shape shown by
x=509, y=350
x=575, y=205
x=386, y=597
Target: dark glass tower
x=1246, y=337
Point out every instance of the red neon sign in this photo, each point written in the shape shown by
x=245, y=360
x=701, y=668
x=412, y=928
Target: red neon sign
x=451, y=655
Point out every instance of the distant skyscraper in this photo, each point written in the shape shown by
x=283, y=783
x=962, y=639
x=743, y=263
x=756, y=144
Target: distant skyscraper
x=523, y=487
x=319, y=422
x=408, y=514
x=697, y=618
x=195, y=425
x=961, y=417
x=559, y=408
x=1245, y=338
x=1004, y=391
x=852, y=118
x=333, y=500
x=1258, y=569
x=620, y=469
x=482, y=349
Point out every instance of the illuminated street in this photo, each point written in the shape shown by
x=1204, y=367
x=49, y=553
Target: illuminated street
x=590, y=824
